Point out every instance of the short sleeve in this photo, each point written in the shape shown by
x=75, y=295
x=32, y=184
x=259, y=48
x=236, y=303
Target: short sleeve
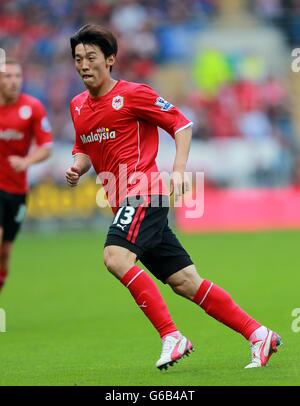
x=146, y=104
x=41, y=127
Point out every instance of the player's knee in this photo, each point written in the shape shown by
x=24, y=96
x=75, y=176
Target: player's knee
x=5, y=252
x=110, y=261
x=4, y=262
x=118, y=260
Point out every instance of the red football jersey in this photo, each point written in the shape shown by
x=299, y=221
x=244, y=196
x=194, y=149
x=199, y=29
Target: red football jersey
x=21, y=124
x=118, y=131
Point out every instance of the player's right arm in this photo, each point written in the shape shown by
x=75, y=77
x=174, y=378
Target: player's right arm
x=82, y=162
x=81, y=165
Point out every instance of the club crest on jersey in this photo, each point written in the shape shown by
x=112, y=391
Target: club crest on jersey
x=163, y=104
x=117, y=102
x=25, y=112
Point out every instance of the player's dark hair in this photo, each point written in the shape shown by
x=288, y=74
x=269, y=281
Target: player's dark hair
x=92, y=34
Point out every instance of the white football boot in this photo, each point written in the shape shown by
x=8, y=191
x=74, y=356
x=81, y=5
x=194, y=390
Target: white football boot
x=173, y=349
x=262, y=350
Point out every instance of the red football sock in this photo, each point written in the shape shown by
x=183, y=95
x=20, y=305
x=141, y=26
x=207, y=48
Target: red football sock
x=3, y=275
x=149, y=299
x=219, y=305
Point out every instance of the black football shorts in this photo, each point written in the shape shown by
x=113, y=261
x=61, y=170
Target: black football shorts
x=12, y=214
x=144, y=230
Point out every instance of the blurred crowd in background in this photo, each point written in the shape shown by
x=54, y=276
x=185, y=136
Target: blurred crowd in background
x=229, y=95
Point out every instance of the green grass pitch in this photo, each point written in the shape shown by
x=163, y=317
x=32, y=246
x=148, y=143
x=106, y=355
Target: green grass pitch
x=69, y=322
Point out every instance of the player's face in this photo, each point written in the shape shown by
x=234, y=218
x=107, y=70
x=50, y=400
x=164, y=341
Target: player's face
x=11, y=82
x=92, y=65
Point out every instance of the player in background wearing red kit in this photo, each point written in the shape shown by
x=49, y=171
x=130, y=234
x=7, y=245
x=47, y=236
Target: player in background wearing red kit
x=23, y=122
x=116, y=132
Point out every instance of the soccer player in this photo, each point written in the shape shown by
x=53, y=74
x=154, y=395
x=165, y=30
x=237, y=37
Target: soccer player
x=23, y=122
x=116, y=132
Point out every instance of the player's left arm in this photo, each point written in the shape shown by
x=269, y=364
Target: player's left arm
x=148, y=105
x=180, y=182
x=42, y=136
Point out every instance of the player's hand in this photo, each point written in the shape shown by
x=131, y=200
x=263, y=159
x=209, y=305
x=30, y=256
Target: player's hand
x=72, y=175
x=180, y=183
x=18, y=163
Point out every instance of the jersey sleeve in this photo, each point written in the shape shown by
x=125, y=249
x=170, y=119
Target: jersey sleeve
x=146, y=104
x=41, y=127
x=78, y=147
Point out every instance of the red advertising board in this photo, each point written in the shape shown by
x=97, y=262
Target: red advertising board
x=244, y=210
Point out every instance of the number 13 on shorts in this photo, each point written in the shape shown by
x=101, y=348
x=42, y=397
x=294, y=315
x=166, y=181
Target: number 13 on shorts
x=124, y=216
